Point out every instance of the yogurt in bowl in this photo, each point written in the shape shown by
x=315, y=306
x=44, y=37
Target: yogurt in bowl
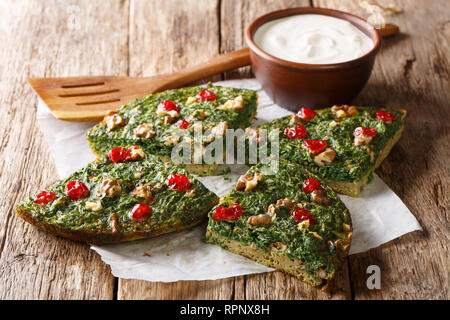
x=312, y=39
x=311, y=57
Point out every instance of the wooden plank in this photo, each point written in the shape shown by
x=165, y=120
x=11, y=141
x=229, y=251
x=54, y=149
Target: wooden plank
x=412, y=72
x=51, y=38
x=170, y=35
x=280, y=286
x=166, y=36
x=180, y=290
x=236, y=15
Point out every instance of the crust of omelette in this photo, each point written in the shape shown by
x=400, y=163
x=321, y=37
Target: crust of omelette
x=103, y=236
x=279, y=261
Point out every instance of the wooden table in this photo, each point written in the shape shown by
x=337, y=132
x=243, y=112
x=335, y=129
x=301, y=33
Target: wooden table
x=141, y=38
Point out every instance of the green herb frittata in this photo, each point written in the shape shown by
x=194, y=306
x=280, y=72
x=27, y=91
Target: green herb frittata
x=290, y=221
x=125, y=196
x=342, y=145
x=160, y=121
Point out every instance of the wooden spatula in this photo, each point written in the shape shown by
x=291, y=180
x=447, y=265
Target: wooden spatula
x=88, y=98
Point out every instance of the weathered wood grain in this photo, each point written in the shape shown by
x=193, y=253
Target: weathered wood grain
x=51, y=38
x=412, y=72
x=191, y=290
x=166, y=36
x=236, y=15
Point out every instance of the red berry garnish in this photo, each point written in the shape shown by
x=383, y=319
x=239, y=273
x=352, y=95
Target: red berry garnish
x=314, y=146
x=140, y=211
x=178, y=182
x=298, y=132
x=44, y=197
x=76, y=190
x=220, y=213
x=306, y=114
x=168, y=105
x=311, y=184
x=206, y=95
x=233, y=212
x=182, y=124
x=371, y=132
x=118, y=154
x=385, y=116
x=301, y=215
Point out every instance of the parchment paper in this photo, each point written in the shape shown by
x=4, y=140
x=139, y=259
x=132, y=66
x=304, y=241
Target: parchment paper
x=378, y=215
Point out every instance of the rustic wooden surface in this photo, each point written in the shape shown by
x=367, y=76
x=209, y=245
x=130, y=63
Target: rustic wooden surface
x=139, y=38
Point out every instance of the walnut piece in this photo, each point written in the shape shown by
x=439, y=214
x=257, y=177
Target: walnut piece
x=60, y=200
x=172, y=140
x=191, y=100
x=352, y=111
x=272, y=210
x=334, y=123
x=288, y=203
x=199, y=114
x=172, y=114
x=113, y=120
x=248, y=181
x=136, y=154
x=143, y=191
x=318, y=197
x=94, y=206
x=344, y=111
x=190, y=193
x=235, y=104
x=362, y=139
x=260, y=220
x=253, y=134
x=295, y=119
x=144, y=130
x=109, y=188
x=218, y=131
x=326, y=157
x=341, y=114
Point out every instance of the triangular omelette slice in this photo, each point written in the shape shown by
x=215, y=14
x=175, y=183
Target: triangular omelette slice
x=161, y=121
x=287, y=219
x=342, y=145
x=124, y=196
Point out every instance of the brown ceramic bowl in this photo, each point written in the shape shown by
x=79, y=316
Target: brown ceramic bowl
x=293, y=85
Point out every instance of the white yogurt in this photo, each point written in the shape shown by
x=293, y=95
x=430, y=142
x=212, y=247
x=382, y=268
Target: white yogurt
x=313, y=39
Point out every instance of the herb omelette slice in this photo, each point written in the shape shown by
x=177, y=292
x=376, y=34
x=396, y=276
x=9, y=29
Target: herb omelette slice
x=161, y=121
x=290, y=221
x=342, y=145
x=125, y=196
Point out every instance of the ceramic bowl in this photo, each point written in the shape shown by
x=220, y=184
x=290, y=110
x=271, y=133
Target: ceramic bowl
x=293, y=85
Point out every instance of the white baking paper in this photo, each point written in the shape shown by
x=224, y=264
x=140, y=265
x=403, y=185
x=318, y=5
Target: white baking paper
x=378, y=215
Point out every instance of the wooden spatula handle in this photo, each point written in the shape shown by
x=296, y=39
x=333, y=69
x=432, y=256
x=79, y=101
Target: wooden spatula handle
x=88, y=98
x=222, y=63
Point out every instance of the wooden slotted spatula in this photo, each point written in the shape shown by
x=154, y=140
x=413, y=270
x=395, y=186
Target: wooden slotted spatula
x=88, y=98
